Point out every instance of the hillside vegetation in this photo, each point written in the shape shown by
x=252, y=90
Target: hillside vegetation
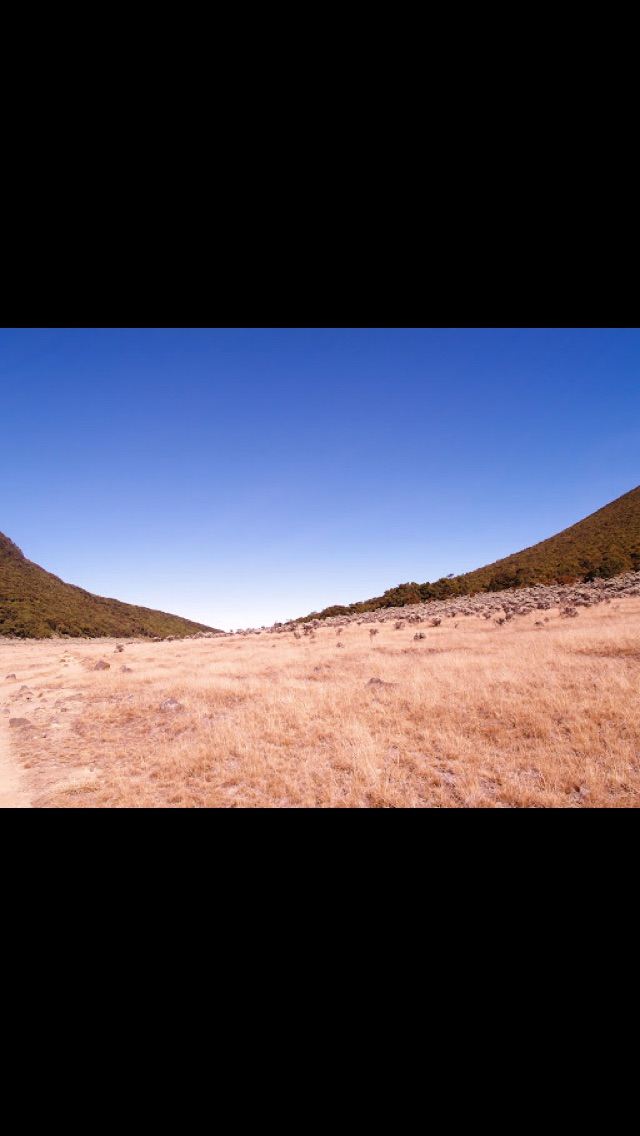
x=34, y=604
x=603, y=545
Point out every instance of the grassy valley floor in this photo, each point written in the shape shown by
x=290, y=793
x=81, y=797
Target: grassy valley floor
x=541, y=712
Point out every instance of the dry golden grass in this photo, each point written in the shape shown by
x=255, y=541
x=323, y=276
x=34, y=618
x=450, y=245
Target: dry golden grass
x=478, y=716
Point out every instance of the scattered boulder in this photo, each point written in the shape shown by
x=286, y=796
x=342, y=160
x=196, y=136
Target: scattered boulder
x=101, y=665
x=171, y=704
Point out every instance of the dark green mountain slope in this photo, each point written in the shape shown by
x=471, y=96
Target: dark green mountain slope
x=35, y=605
x=603, y=544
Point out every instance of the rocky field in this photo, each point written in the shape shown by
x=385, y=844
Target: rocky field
x=517, y=699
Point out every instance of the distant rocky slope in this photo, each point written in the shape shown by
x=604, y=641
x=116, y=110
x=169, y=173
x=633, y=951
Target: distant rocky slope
x=603, y=545
x=565, y=599
x=34, y=604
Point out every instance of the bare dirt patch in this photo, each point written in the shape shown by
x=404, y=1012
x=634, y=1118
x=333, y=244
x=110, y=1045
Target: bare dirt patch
x=13, y=790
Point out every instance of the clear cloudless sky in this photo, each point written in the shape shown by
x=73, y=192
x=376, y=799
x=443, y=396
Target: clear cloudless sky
x=240, y=476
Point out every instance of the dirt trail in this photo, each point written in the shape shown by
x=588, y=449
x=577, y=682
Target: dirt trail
x=13, y=792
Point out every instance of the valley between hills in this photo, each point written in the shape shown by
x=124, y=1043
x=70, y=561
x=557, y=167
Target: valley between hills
x=512, y=687
x=492, y=708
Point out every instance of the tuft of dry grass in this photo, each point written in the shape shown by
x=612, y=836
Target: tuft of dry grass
x=474, y=716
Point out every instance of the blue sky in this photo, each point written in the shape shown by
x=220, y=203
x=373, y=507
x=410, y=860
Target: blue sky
x=241, y=476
